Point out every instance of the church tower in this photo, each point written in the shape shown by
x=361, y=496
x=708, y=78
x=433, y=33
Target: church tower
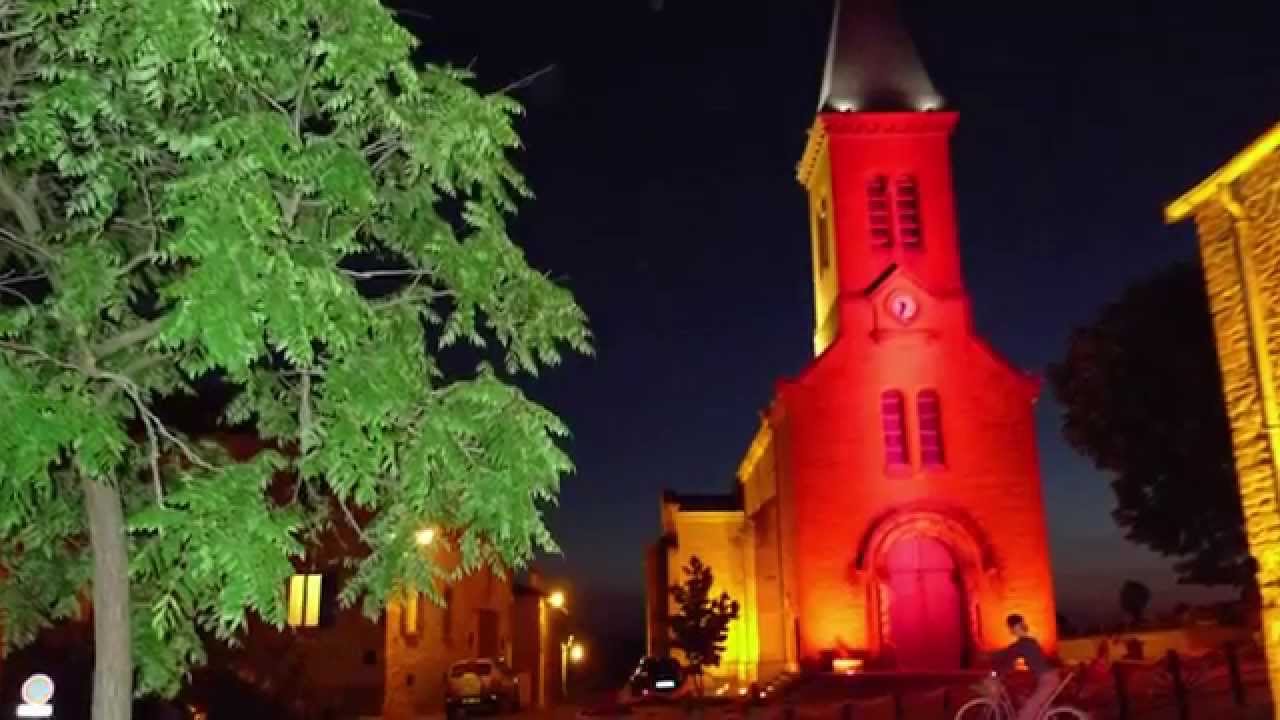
x=914, y=480
x=877, y=167
x=889, y=509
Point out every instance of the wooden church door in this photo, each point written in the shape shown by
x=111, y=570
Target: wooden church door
x=926, y=606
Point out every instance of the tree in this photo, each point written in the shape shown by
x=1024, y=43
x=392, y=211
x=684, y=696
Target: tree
x=270, y=195
x=1141, y=397
x=1134, y=599
x=701, y=627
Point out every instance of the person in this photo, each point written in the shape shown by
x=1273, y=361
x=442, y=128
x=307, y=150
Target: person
x=1026, y=648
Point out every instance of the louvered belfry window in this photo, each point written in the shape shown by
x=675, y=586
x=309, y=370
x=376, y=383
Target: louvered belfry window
x=894, y=420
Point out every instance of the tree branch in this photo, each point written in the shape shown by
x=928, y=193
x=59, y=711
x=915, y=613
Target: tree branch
x=24, y=209
x=351, y=520
x=525, y=81
x=138, y=334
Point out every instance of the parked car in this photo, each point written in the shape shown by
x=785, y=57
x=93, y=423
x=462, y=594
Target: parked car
x=656, y=677
x=481, y=684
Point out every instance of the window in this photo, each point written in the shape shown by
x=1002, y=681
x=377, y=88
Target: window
x=929, y=408
x=878, y=212
x=895, y=428
x=304, y=600
x=824, y=236
x=446, y=622
x=907, y=201
x=411, y=615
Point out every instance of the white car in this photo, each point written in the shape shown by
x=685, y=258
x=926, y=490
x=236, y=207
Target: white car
x=481, y=684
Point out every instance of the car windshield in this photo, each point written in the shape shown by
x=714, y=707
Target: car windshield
x=474, y=668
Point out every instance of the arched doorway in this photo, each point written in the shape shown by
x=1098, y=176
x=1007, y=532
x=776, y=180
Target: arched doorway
x=926, y=604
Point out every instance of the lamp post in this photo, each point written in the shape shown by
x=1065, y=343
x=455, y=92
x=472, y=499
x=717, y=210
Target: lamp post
x=570, y=652
x=554, y=600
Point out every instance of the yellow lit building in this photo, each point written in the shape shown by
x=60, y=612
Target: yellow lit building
x=1237, y=216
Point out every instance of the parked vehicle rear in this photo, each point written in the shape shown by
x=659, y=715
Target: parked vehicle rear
x=481, y=685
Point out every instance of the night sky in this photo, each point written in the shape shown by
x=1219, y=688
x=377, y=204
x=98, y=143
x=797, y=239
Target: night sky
x=662, y=149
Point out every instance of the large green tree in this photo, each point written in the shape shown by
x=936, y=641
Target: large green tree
x=1142, y=397
x=273, y=194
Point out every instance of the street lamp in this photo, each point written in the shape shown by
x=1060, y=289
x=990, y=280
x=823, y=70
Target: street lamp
x=556, y=599
x=570, y=651
x=425, y=536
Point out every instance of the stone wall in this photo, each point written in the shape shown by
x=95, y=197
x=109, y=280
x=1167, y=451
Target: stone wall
x=416, y=662
x=1237, y=216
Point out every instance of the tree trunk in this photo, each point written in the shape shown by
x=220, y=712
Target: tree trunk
x=112, y=659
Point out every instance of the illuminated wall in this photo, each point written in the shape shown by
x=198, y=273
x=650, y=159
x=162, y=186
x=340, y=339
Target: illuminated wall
x=1237, y=217
x=722, y=540
x=423, y=639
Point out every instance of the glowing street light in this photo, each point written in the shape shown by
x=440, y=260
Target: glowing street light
x=570, y=651
x=556, y=599
x=425, y=536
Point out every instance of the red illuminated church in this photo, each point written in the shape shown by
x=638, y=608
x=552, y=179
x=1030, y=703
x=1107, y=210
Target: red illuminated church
x=889, y=510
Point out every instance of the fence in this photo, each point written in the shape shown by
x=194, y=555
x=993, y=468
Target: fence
x=1186, y=687
x=1215, y=685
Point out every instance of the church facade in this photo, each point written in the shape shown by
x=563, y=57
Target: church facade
x=889, y=510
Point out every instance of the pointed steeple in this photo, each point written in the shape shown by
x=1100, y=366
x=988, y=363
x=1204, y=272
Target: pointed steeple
x=872, y=63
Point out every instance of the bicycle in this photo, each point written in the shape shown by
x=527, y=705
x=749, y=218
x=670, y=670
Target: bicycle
x=996, y=704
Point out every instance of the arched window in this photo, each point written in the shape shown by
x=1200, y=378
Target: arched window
x=907, y=200
x=929, y=410
x=895, y=428
x=879, y=214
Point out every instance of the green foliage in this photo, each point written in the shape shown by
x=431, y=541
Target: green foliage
x=701, y=627
x=272, y=193
x=1142, y=397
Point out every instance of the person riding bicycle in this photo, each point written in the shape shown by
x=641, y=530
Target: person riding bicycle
x=1026, y=648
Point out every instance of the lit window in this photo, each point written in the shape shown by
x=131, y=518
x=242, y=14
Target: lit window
x=304, y=600
x=895, y=428
x=907, y=199
x=824, y=236
x=929, y=409
x=878, y=212
x=411, y=615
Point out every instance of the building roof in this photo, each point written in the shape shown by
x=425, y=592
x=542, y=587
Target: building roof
x=726, y=502
x=1242, y=163
x=872, y=63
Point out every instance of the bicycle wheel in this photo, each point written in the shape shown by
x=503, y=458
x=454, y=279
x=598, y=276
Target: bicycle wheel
x=982, y=709
x=1065, y=712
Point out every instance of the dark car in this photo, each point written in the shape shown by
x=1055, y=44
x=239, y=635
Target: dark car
x=656, y=676
x=481, y=684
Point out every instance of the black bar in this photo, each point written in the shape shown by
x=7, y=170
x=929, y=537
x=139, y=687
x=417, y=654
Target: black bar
x=1237, y=681
x=1179, y=689
x=1122, y=691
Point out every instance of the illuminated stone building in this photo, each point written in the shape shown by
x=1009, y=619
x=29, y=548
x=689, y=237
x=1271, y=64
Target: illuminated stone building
x=1237, y=216
x=889, y=510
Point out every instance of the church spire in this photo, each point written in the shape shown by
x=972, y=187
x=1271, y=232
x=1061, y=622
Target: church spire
x=872, y=63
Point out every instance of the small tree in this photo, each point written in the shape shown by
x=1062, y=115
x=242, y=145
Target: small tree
x=701, y=627
x=1134, y=599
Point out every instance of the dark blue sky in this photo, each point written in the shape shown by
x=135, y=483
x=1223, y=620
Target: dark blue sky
x=662, y=151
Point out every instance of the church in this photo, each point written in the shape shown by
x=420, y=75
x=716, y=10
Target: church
x=888, y=513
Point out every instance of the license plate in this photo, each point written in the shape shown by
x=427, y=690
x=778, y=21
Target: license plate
x=471, y=701
x=665, y=684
